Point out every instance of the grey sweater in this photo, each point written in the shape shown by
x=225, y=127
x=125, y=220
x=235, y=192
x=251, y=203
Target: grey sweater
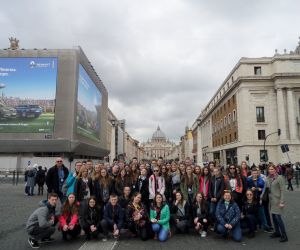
x=40, y=218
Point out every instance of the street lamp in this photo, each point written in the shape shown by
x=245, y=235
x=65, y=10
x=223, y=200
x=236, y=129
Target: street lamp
x=278, y=132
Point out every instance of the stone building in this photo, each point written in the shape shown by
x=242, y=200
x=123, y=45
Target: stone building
x=158, y=146
x=258, y=97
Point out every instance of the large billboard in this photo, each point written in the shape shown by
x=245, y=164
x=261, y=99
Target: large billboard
x=27, y=94
x=89, y=102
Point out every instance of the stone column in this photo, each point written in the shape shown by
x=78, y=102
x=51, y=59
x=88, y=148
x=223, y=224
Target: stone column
x=281, y=114
x=291, y=115
x=112, y=145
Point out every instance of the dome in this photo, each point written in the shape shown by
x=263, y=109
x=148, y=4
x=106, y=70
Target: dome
x=158, y=134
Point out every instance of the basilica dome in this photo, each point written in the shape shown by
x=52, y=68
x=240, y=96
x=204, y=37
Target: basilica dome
x=158, y=134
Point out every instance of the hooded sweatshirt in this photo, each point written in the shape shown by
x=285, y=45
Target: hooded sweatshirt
x=40, y=218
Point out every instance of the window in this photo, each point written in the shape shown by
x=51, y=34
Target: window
x=233, y=115
x=222, y=140
x=261, y=134
x=260, y=114
x=257, y=71
x=225, y=121
x=225, y=139
x=229, y=137
x=235, y=137
x=229, y=118
x=221, y=123
x=233, y=99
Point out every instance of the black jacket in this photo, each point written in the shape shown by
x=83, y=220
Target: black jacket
x=217, y=187
x=204, y=211
x=91, y=216
x=250, y=209
x=98, y=192
x=52, y=179
x=40, y=177
x=143, y=187
x=80, y=188
x=186, y=216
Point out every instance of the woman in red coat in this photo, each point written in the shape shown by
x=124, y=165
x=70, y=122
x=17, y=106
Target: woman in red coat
x=204, y=182
x=68, y=220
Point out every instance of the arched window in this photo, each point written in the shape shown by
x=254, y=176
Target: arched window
x=229, y=118
x=234, y=115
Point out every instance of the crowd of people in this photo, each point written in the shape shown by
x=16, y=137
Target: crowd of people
x=158, y=199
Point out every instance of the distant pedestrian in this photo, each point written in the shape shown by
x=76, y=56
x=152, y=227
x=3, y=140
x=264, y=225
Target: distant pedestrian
x=41, y=223
x=40, y=180
x=31, y=179
x=289, y=176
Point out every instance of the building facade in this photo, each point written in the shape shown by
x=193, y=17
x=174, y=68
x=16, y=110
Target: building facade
x=158, y=146
x=259, y=96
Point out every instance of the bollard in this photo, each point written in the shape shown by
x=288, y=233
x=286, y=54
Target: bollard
x=17, y=181
x=14, y=178
x=297, y=178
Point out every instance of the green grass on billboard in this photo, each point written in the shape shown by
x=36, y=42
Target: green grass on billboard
x=42, y=124
x=91, y=134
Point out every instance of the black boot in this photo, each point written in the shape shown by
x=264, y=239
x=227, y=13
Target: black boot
x=283, y=238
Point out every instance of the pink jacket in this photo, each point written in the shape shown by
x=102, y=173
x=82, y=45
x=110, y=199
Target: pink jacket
x=63, y=220
x=161, y=186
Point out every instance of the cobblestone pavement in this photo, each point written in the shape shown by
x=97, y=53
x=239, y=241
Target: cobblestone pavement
x=15, y=208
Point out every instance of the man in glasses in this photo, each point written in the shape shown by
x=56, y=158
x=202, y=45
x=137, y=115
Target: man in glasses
x=56, y=177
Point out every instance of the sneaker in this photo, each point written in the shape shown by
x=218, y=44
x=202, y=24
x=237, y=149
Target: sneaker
x=203, y=234
x=47, y=240
x=104, y=239
x=33, y=243
x=200, y=232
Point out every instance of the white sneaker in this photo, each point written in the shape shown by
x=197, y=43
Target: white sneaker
x=200, y=231
x=203, y=234
x=104, y=239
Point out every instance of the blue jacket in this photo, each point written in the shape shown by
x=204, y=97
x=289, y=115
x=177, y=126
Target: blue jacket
x=231, y=215
x=260, y=184
x=71, y=181
x=118, y=217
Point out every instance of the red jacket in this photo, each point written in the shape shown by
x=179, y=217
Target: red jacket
x=63, y=219
x=207, y=184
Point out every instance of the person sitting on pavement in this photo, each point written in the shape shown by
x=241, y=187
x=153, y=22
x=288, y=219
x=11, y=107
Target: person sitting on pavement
x=200, y=214
x=69, y=220
x=228, y=217
x=41, y=223
x=113, y=218
x=138, y=217
x=249, y=213
x=91, y=218
x=180, y=211
x=160, y=217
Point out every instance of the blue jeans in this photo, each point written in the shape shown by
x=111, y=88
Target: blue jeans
x=162, y=233
x=262, y=217
x=236, y=231
x=212, y=211
x=278, y=224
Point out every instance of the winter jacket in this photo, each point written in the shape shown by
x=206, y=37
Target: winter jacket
x=260, y=183
x=156, y=185
x=185, y=189
x=71, y=182
x=204, y=210
x=250, y=209
x=202, y=183
x=164, y=216
x=91, y=216
x=231, y=215
x=31, y=177
x=176, y=211
x=114, y=215
x=40, y=218
x=217, y=187
x=68, y=219
x=276, y=188
x=143, y=187
x=80, y=189
x=40, y=177
x=52, y=179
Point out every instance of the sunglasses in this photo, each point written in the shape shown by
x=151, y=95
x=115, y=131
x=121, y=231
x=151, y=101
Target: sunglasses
x=231, y=168
x=59, y=161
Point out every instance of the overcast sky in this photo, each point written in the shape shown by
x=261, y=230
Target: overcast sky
x=160, y=60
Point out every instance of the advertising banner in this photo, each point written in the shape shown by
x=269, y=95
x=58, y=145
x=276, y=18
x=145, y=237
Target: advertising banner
x=27, y=94
x=89, y=102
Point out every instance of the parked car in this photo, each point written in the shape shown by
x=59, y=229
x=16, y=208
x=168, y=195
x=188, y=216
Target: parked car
x=7, y=111
x=29, y=110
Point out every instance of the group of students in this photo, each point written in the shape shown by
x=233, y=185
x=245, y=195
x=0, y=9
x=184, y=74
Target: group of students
x=158, y=199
